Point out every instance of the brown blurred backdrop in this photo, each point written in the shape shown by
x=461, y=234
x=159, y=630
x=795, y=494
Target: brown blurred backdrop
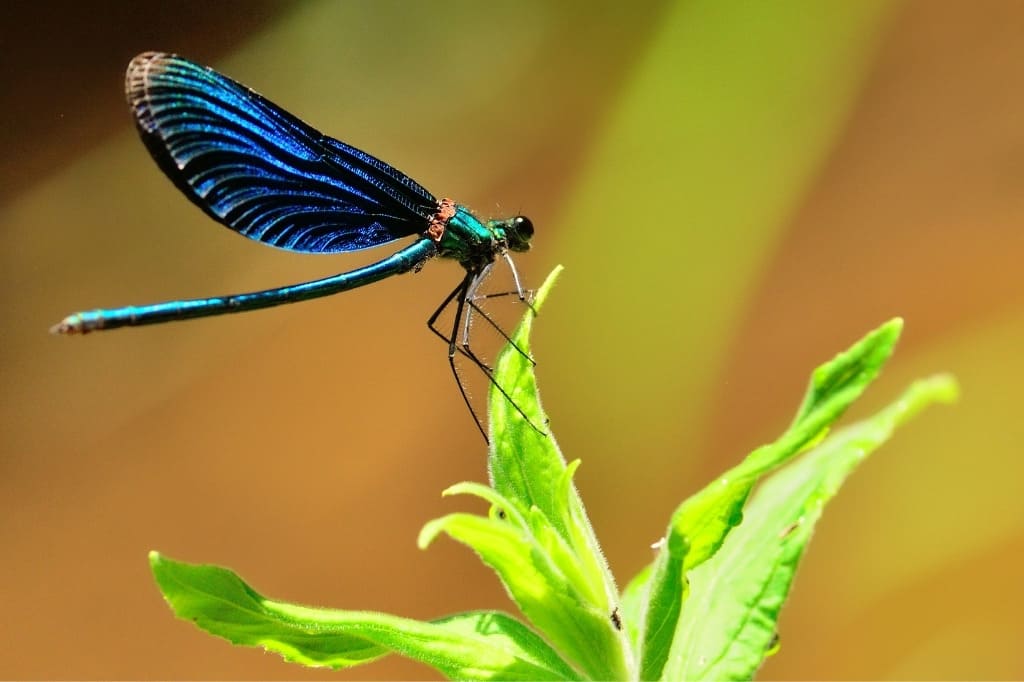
x=737, y=192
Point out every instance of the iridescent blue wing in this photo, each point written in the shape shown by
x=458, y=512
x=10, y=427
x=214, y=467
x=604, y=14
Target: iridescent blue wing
x=260, y=170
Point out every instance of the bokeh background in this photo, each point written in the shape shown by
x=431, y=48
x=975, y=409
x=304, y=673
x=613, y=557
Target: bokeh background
x=737, y=191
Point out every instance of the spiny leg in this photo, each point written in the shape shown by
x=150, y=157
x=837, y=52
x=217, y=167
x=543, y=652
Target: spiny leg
x=472, y=296
x=489, y=373
x=474, y=285
x=457, y=291
x=431, y=323
x=482, y=313
x=460, y=296
x=470, y=283
x=519, y=286
x=452, y=348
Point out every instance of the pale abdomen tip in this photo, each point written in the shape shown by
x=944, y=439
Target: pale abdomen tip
x=72, y=324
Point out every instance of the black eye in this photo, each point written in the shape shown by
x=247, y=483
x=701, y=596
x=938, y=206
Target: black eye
x=524, y=226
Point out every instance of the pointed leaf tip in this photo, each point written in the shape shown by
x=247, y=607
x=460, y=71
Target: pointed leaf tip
x=895, y=325
x=545, y=288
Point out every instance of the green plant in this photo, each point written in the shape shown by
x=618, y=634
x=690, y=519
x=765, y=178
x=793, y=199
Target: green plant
x=705, y=608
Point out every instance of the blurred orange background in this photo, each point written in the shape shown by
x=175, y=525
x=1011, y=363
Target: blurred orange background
x=737, y=191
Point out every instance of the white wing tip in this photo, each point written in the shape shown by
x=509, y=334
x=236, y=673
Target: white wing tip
x=136, y=85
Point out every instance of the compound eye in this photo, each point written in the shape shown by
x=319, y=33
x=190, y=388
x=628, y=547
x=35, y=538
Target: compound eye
x=524, y=226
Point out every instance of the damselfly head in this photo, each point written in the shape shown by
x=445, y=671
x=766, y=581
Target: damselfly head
x=518, y=232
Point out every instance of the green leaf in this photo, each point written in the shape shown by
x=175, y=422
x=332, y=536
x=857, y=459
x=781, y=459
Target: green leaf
x=729, y=623
x=546, y=596
x=634, y=601
x=851, y=370
x=667, y=593
x=539, y=541
x=478, y=645
x=524, y=458
x=706, y=518
x=701, y=524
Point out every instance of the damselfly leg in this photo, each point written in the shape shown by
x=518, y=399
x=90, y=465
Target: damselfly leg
x=464, y=297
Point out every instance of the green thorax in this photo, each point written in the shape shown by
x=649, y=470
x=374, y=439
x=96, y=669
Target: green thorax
x=471, y=242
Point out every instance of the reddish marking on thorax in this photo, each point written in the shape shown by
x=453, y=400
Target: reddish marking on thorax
x=438, y=221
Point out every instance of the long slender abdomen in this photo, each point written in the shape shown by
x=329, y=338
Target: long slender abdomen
x=410, y=258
